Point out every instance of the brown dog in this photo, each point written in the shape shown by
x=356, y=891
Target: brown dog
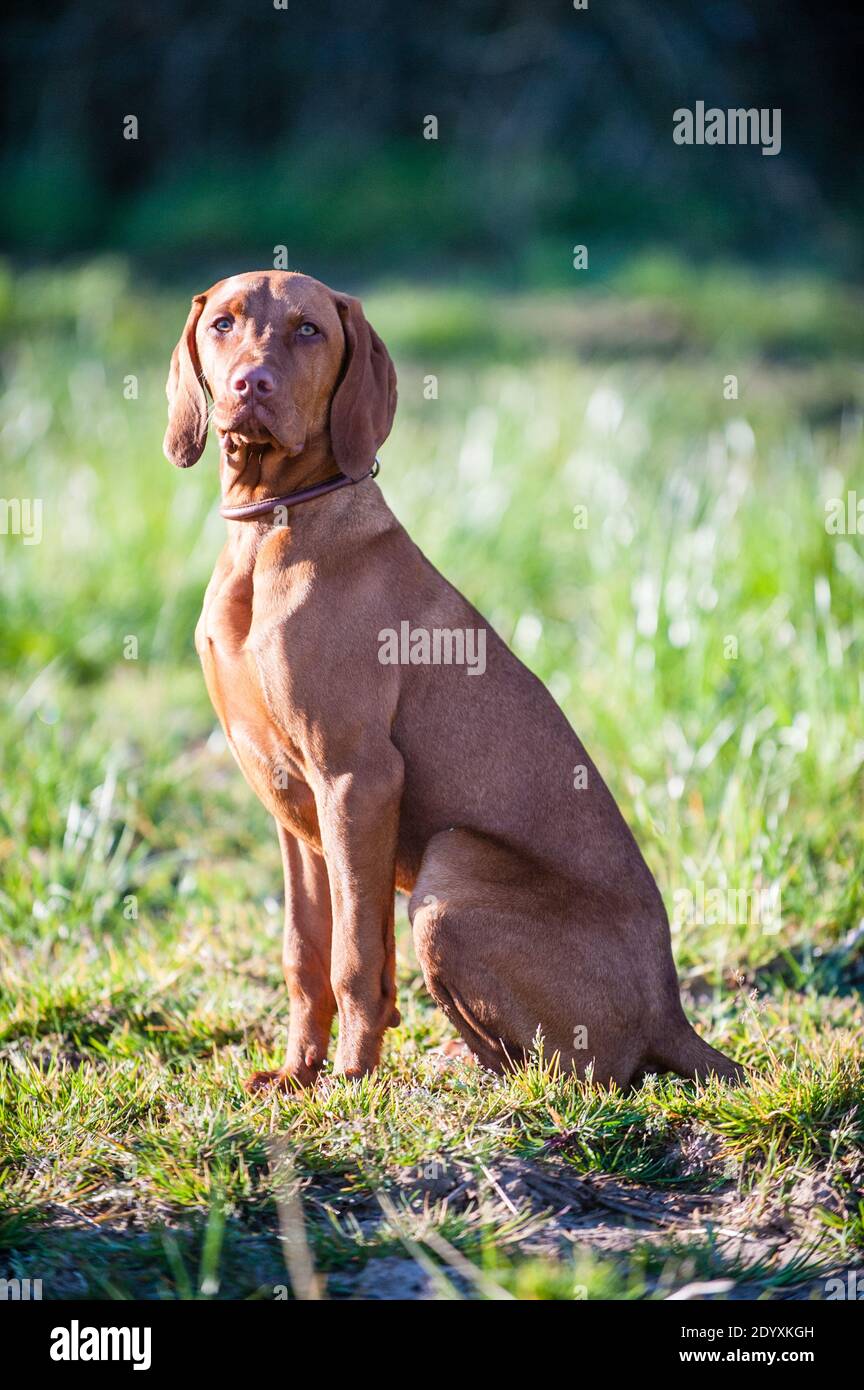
x=532, y=907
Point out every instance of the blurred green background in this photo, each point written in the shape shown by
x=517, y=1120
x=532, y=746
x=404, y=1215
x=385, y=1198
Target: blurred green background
x=303, y=127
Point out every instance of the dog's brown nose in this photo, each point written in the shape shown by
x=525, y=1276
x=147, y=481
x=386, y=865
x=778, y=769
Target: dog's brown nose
x=250, y=382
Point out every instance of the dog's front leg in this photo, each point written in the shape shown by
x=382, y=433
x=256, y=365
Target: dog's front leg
x=306, y=965
x=358, y=814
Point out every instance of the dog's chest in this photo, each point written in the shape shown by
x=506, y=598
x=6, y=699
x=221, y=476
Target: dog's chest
x=272, y=766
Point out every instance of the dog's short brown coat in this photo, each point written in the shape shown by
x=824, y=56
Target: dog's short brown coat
x=532, y=907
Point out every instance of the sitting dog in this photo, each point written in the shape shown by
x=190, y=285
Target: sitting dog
x=532, y=908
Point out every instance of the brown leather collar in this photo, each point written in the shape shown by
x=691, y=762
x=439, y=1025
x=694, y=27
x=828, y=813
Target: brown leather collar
x=292, y=499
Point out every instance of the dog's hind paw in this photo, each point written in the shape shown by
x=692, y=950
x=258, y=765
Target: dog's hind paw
x=451, y=1051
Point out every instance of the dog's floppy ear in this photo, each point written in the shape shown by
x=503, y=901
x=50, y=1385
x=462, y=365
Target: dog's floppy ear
x=364, y=402
x=186, y=434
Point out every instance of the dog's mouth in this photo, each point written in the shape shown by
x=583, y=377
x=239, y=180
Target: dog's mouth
x=246, y=427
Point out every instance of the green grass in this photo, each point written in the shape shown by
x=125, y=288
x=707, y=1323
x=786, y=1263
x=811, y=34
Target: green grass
x=140, y=880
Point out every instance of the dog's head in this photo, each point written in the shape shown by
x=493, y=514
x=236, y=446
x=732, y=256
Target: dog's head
x=287, y=362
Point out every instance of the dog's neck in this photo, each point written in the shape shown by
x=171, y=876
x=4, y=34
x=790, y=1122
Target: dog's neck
x=255, y=472
x=258, y=476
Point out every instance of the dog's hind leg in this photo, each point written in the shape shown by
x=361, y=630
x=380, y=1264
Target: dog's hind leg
x=503, y=962
x=458, y=927
x=683, y=1052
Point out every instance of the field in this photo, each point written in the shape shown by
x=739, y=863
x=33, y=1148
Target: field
x=656, y=550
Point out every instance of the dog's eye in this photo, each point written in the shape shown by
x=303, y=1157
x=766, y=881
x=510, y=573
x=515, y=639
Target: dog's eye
x=222, y=325
x=307, y=330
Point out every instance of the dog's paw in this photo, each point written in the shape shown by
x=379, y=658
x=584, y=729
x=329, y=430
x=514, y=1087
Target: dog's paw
x=452, y=1051
x=284, y=1081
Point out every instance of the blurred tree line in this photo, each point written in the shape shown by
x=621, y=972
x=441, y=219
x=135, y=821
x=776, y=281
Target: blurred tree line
x=304, y=125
